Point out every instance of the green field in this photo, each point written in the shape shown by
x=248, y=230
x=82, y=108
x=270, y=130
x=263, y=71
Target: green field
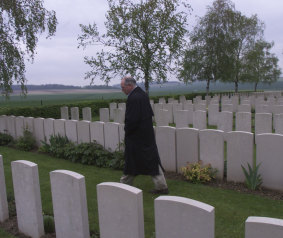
x=231, y=207
x=54, y=99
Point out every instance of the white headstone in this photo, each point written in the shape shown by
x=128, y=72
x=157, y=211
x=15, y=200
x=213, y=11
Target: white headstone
x=104, y=114
x=262, y=227
x=263, y=123
x=64, y=113
x=181, y=118
x=59, y=127
x=27, y=198
x=120, y=211
x=176, y=107
x=183, y=217
x=269, y=152
x=169, y=107
x=244, y=121
x=28, y=123
x=157, y=107
x=190, y=108
x=75, y=114
x=162, y=117
x=20, y=126
x=71, y=130
x=166, y=144
x=213, y=113
x=225, y=121
x=87, y=114
x=240, y=151
x=69, y=204
x=83, y=128
x=111, y=136
x=199, y=120
x=119, y=115
x=211, y=147
x=97, y=132
x=187, y=144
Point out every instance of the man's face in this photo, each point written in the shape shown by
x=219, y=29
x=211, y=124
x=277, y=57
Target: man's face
x=126, y=88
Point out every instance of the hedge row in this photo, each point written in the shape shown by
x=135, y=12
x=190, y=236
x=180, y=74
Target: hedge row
x=53, y=111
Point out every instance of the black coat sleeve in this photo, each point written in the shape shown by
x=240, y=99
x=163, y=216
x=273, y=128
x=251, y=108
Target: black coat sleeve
x=133, y=115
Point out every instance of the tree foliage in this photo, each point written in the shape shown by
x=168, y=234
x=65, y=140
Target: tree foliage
x=143, y=39
x=202, y=60
x=21, y=21
x=219, y=45
x=260, y=65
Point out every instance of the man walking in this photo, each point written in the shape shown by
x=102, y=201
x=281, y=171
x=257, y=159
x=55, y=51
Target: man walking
x=141, y=154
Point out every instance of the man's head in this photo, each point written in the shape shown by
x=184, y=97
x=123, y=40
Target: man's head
x=128, y=84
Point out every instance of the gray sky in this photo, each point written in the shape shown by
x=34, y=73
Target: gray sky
x=59, y=61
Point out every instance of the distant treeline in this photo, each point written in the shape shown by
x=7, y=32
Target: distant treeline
x=59, y=86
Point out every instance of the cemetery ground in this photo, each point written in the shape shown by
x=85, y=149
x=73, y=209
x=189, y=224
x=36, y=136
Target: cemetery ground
x=233, y=202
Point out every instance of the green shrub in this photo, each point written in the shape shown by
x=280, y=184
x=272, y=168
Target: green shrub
x=86, y=153
x=49, y=225
x=56, y=146
x=26, y=142
x=199, y=173
x=118, y=160
x=5, y=139
x=253, y=178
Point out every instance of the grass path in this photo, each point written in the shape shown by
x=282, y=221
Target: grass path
x=231, y=207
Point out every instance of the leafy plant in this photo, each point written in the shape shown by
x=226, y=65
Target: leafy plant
x=199, y=173
x=118, y=160
x=26, y=142
x=253, y=178
x=56, y=146
x=5, y=139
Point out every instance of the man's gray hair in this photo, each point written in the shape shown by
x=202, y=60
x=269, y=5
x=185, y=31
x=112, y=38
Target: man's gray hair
x=129, y=80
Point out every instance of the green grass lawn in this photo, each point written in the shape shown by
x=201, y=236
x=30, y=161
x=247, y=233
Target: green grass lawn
x=231, y=207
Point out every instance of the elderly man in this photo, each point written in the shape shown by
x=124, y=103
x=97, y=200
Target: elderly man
x=141, y=154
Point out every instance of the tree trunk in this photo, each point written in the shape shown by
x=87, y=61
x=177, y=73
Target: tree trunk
x=146, y=84
x=207, y=86
x=236, y=86
x=255, y=86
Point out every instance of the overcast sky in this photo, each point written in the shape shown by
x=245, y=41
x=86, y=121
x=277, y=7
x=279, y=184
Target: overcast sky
x=59, y=61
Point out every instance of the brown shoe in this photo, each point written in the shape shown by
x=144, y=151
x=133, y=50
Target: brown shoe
x=159, y=191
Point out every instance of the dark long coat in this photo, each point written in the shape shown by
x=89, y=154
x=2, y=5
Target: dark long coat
x=141, y=154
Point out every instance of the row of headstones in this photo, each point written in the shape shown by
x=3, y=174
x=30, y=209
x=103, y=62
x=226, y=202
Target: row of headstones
x=109, y=135
x=176, y=146
x=75, y=113
x=179, y=146
x=120, y=209
x=263, y=122
x=165, y=112
x=116, y=111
